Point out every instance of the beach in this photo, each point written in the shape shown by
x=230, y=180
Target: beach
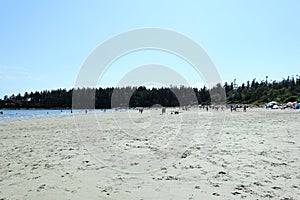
x=128, y=155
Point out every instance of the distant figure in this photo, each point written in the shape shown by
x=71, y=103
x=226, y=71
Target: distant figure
x=1, y=112
x=163, y=110
x=71, y=111
x=231, y=108
x=206, y=108
x=245, y=107
x=234, y=107
x=141, y=110
x=85, y=111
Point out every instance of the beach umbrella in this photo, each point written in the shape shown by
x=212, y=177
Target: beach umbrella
x=297, y=106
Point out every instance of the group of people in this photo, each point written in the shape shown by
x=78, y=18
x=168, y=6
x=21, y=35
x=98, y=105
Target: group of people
x=163, y=110
x=234, y=107
x=212, y=107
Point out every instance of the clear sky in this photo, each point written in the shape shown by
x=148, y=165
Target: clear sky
x=44, y=43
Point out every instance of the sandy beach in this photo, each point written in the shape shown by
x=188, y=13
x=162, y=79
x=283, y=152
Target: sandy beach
x=127, y=155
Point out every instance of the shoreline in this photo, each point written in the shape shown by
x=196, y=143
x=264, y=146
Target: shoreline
x=46, y=113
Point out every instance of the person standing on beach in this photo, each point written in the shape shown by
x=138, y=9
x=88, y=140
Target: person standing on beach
x=245, y=107
x=141, y=110
x=163, y=110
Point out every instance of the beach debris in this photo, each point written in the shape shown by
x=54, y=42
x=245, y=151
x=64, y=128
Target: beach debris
x=235, y=193
x=41, y=187
x=257, y=184
x=186, y=154
x=215, y=194
x=134, y=163
x=273, y=164
x=164, y=169
x=276, y=188
x=169, y=178
x=268, y=196
x=240, y=187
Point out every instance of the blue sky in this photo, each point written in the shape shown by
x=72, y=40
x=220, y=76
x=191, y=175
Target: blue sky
x=44, y=43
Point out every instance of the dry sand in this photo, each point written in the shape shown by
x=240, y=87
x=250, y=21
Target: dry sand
x=254, y=155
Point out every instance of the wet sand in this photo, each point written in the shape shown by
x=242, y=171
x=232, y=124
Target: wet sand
x=254, y=155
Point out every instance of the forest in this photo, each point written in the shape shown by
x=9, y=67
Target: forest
x=252, y=92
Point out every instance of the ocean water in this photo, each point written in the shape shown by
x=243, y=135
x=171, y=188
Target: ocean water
x=15, y=115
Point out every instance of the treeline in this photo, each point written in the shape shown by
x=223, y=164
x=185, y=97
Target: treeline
x=253, y=92
x=101, y=98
